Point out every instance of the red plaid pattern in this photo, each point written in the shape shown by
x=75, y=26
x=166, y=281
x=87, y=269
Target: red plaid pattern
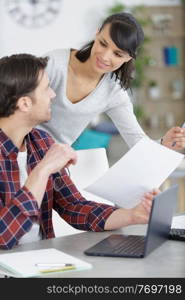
x=18, y=207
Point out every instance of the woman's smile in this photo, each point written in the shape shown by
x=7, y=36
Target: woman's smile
x=100, y=64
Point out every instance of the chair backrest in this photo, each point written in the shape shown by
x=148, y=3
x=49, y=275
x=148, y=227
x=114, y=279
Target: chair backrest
x=91, y=164
x=61, y=227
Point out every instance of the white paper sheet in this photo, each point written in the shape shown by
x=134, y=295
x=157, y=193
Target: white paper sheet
x=144, y=167
x=93, y=160
x=178, y=222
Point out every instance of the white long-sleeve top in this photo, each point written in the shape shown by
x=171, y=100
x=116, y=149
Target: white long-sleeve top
x=70, y=119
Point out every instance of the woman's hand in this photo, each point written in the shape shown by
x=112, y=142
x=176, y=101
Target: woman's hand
x=174, y=138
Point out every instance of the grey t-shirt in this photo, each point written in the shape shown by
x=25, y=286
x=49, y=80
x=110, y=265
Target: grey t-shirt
x=70, y=119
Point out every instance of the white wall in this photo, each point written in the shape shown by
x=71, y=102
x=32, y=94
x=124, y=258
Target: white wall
x=75, y=24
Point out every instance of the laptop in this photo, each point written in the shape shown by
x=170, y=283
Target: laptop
x=119, y=245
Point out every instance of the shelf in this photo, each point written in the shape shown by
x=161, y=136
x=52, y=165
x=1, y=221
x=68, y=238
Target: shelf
x=166, y=100
x=167, y=67
x=182, y=36
x=173, y=34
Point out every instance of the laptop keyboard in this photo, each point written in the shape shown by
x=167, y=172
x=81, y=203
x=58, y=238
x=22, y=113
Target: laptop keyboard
x=131, y=245
x=177, y=234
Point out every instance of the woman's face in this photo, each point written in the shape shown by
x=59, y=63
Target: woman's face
x=105, y=55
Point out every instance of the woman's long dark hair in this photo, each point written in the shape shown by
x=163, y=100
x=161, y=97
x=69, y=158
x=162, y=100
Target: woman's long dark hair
x=128, y=35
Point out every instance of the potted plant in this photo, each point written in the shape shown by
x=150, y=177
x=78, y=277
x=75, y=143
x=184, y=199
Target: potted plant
x=139, y=112
x=153, y=89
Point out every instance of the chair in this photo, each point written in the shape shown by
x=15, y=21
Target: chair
x=90, y=139
x=91, y=164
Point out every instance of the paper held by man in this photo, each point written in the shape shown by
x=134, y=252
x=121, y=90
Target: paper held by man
x=144, y=167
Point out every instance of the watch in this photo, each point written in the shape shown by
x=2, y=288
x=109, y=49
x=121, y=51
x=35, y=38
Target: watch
x=33, y=13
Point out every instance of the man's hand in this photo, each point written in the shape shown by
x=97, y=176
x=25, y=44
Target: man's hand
x=174, y=138
x=137, y=215
x=141, y=212
x=58, y=157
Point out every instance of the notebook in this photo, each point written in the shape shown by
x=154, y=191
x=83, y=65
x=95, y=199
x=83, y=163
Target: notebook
x=23, y=264
x=139, y=246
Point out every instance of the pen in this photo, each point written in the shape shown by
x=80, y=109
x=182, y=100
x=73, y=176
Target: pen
x=174, y=143
x=43, y=265
x=54, y=267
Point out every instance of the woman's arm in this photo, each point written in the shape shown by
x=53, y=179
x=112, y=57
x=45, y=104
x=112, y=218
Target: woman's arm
x=124, y=119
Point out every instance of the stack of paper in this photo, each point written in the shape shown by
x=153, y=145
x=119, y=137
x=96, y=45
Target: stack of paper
x=178, y=222
x=146, y=166
x=24, y=264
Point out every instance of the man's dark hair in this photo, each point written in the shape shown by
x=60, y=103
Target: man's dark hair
x=128, y=35
x=19, y=75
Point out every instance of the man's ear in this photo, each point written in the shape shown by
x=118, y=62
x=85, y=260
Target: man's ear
x=24, y=104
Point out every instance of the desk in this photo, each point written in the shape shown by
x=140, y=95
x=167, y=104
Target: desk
x=166, y=261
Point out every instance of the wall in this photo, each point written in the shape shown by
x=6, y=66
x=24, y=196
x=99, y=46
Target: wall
x=166, y=108
x=76, y=23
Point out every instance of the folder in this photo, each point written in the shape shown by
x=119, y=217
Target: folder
x=25, y=264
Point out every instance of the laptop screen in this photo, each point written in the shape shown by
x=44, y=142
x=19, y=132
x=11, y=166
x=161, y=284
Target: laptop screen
x=161, y=216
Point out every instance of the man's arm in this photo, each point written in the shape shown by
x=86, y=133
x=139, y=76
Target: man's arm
x=17, y=218
x=89, y=215
x=137, y=215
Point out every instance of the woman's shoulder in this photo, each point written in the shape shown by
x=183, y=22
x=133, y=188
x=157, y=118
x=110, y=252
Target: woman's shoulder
x=113, y=86
x=57, y=53
x=116, y=95
x=58, y=60
x=58, y=57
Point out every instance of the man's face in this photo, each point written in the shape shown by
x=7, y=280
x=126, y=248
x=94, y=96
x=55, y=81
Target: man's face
x=41, y=100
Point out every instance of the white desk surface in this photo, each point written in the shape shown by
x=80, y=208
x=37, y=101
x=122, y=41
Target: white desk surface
x=166, y=261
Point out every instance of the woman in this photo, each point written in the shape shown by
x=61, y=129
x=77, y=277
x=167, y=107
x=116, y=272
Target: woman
x=94, y=80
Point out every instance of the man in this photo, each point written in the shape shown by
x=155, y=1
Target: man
x=33, y=180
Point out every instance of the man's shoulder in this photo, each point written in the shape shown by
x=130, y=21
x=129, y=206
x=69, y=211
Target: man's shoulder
x=40, y=136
